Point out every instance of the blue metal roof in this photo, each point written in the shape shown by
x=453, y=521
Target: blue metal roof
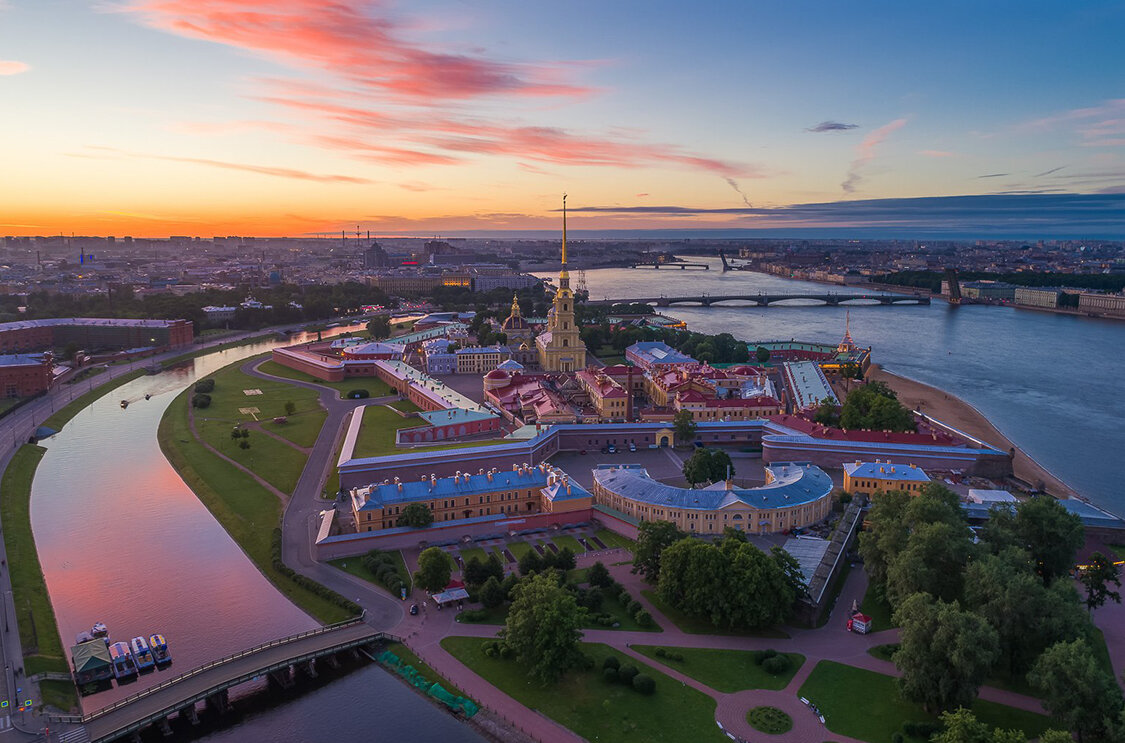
x=379, y=495
x=454, y=415
x=886, y=471
x=793, y=485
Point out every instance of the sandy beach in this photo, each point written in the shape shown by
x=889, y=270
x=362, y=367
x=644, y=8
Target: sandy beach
x=963, y=416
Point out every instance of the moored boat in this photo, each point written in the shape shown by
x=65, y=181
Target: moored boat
x=160, y=652
x=142, y=656
x=123, y=664
x=99, y=630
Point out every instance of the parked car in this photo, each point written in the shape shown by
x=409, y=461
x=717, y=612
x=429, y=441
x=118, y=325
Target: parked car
x=413, y=609
x=612, y=449
x=632, y=446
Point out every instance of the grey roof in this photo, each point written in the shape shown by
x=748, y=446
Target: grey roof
x=793, y=484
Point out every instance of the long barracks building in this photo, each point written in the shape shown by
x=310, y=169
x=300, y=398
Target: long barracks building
x=91, y=333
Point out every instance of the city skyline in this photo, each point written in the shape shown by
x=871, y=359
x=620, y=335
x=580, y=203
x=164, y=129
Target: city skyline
x=156, y=117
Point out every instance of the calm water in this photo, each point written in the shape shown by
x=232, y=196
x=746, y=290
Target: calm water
x=1049, y=382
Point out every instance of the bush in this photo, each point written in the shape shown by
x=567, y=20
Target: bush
x=761, y=656
x=591, y=599
x=627, y=673
x=200, y=400
x=598, y=575
x=307, y=583
x=474, y=615
x=643, y=618
x=205, y=385
x=611, y=662
x=845, y=498
x=897, y=738
x=505, y=651
x=358, y=394
x=660, y=653
x=922, y=729
x=610, y=674
x=633, y=607
x=776, y=665
x=644, y=684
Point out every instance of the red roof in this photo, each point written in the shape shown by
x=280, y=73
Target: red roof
x=924, y=436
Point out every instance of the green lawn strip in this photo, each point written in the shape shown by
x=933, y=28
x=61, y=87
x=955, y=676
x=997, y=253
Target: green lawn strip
x=612, y=539
x=377, y=432
x=698, y=626
x=578, y=575
x=61, y=416
x=494, y=615
x=471, y=552
x=39, y=632
x=519, y=549
x=570, y=542
x=59, y=694
x=247, y=511
x=355, y=566
x=625, y=621
x=8, y=403
x=724, y=670
x=275, y=462
x=878, y=609
x=1118, y=550
x=884, y=652
x=866, y=705
x=769, y=720
x=405, y=406
x=407, y=656
x=375, y=387
x=596, y=709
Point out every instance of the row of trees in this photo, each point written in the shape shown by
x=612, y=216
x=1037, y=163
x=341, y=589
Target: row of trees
x=707, y=465
x=932, y=279
x=874, y=406
x=1003, y=605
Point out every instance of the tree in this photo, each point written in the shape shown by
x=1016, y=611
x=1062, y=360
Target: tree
x=200, y=400
x=875, y=406
x=379, y=327
x=827, y=413
x=707, y=465
x=475, y=573
x=684, y=426
x=71, y=351
x=530, y=563
x=1075, y=690
x=652, y=538
x=1096, y=578
x=963, y=726
x=790, y=570
x=1052, y=535
x=1028, y=617
x=933, y=561
x=434, y=569
x=290, y=407
x=416, y=516
x=543, y=628
x=564, y=559
x=944, y=653
x=598, y=575
x=762, y=354
x=491, y=594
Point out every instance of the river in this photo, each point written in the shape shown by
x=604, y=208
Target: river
x=1049, y=382
x=123, y=540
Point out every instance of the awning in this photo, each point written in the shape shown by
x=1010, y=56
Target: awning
x=453, y=594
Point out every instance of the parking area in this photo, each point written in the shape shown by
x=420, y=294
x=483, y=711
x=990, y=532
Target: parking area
x=662, y=464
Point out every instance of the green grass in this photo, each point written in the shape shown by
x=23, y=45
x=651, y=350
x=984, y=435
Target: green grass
x=569, y=541
x=878, y=609
x=374, y=386
x=377, y=432
x=355, y=566
x=39, y=632
x=471, y=552
x=595, y=709
x=884, y=652
x=8, y=403
x=625, y=621
x=247, y=511
x=698, y=626
x=72, y=408
x=495, y=615
x=1118, y=550
x=407, y=656
x=59, y=694
x=406, y=406
x=518, y=549
x=612, y=539
x=769, y=720
x=866, y=705
x=724, y=670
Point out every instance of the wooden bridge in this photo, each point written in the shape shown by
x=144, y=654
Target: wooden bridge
x=765, y=300
x=209, y=683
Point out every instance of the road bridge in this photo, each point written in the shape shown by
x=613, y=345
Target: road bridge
x=209, y=683
x=682, y=265
x=830, y=299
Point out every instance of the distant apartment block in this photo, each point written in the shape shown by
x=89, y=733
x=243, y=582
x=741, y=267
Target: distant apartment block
x=91, y=333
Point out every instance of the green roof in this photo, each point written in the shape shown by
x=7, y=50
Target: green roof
x=90, y=656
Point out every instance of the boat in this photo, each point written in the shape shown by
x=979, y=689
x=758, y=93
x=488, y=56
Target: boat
x=82, y=637
x=160, y=652
x=142, y=656
x=99, y=630
x=123, y=664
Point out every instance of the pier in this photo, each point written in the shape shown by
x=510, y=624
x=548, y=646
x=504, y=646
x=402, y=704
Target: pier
x=278, y=660
x=830, y=299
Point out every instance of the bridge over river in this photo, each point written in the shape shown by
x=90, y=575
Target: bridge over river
x=830, y=299
x=209, y=683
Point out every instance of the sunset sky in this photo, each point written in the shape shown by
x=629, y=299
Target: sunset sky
x=272, y=117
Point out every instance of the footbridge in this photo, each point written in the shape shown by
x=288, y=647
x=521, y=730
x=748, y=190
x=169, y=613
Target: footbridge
x=830, y=299
x=279, y=660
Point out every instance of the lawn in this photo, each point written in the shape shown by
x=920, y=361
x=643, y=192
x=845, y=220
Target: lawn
x=39, y=632
x=406, y=406
x=878, y=609
x=355, y=566
x=471, y=552
x=612, y=539
x=769, y=720
x=699, y=626
x=591, y=707
x=247, y=511
x=724, y=670
x=1118, y=550
x=406, y=655
x=374, y=386
x=625, y=621
x=884, y=652
x=518, y=549
x=377, y=432
x=568, y=541
x=866, y=705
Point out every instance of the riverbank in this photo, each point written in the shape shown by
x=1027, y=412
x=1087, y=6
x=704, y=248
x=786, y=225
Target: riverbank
x=961, y=415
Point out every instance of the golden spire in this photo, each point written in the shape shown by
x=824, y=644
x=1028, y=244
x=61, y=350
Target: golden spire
x=515, y=305
x=564, y=275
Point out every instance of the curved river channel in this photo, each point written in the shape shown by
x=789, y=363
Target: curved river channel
x=124, y=541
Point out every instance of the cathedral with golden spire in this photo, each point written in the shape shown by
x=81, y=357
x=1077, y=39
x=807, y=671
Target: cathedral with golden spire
x=560, y=347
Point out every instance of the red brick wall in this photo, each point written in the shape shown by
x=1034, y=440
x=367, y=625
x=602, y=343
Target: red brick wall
x=24, y=380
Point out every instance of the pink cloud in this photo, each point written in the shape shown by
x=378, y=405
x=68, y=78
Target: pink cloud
x=936, y=153
x=11, y=67
x=865, y=152
x=1098, y=126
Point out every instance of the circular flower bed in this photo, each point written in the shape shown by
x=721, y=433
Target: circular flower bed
x=769, y=720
